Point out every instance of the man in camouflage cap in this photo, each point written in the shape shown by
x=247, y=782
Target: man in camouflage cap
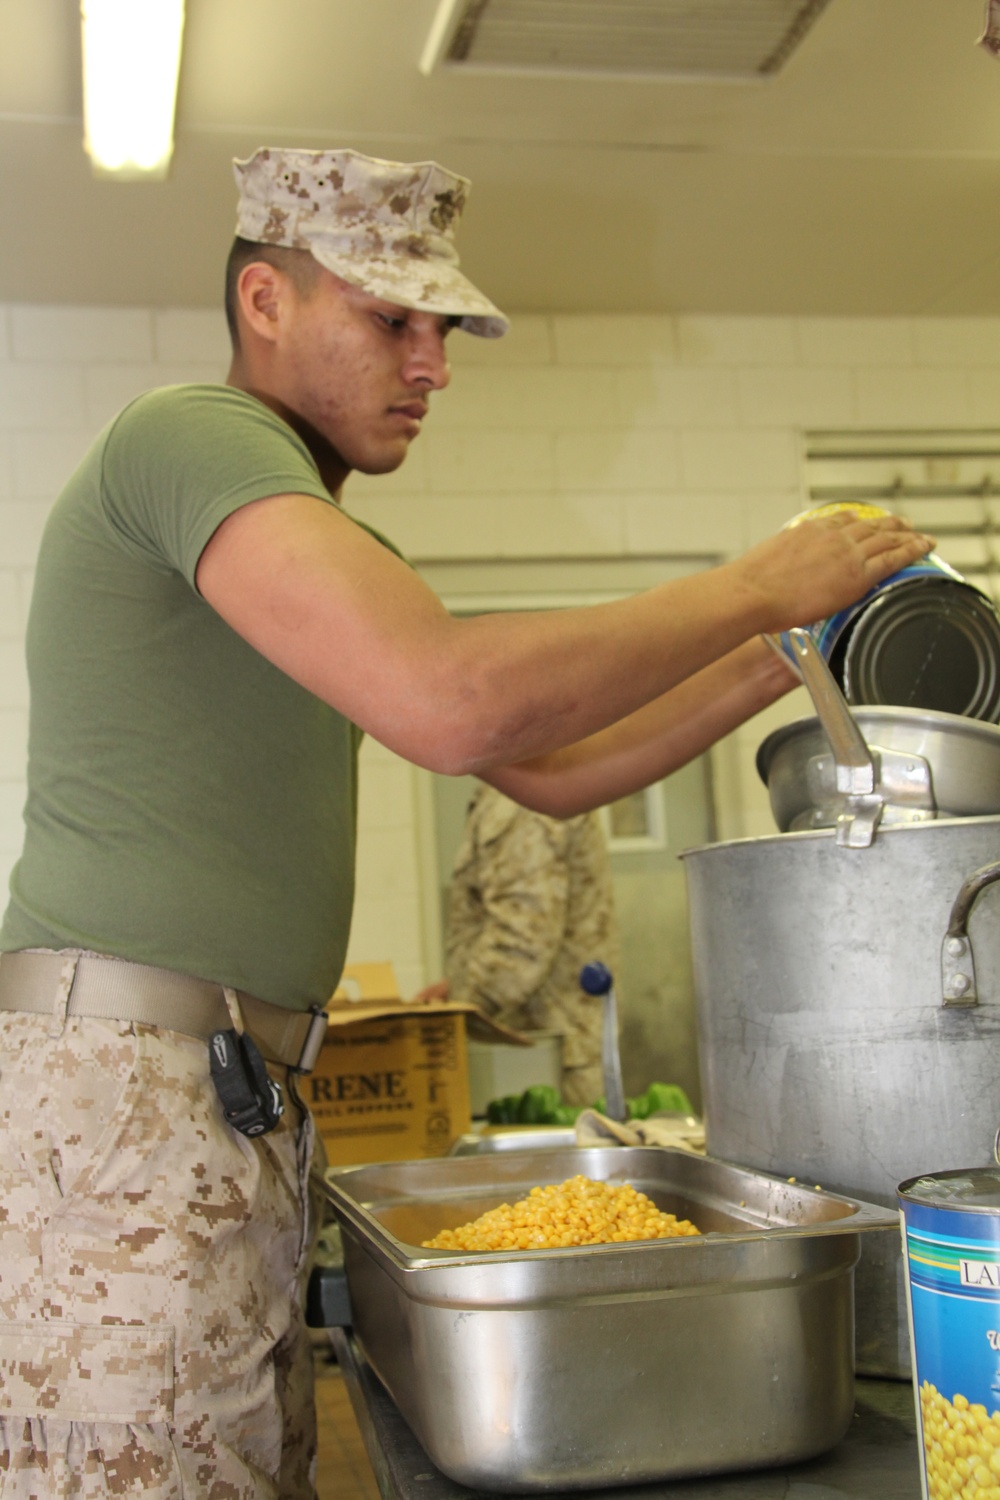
x=209, y=636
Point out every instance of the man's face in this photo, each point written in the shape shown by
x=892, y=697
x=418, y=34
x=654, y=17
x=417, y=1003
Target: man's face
x=360, y=371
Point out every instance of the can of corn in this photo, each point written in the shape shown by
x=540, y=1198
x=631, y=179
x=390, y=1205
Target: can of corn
x=950, y=1224
x=923, y=638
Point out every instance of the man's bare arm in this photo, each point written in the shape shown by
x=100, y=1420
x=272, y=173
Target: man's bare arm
x=654, y=741
x=326, y=603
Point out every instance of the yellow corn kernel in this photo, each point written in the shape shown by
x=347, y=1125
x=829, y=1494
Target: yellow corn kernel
x=578, y=1211
x=961, y=1447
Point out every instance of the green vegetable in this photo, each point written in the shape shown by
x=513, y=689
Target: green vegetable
x=659, y=1097
x=668, y=1097
x=503, y=1111
x=538, y=1105
x=541, y=1105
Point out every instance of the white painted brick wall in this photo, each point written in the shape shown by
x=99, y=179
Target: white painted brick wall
x=576, y=436
x=79, y=335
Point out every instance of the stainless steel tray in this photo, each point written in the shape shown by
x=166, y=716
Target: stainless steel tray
x=607, y=1364
x=514, y=1138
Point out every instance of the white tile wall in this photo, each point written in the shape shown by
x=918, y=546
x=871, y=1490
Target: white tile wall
x=530, y=341
x=575, y=436
x=79, y=335
x=805, y=396
x=6, y=466
x=690, y=523
x=678, y=396
x=736, y=342
x=858, y=343
x=613, y=340
x=549, y=398
x=13, y=678
x=10, y=606
x=617, y=459
x=895, y=397
x=957, y=342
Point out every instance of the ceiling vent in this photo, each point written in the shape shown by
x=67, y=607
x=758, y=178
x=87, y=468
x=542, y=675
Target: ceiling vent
x=710, y=39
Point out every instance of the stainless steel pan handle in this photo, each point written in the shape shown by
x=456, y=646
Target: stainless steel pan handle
x=958, y=964
x=855, y=767
x=857, y=771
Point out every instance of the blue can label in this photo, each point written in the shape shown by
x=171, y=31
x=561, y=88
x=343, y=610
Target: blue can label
x=953, y=1264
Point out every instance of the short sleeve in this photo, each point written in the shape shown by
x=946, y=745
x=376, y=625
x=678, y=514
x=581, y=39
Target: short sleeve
x=178, y=461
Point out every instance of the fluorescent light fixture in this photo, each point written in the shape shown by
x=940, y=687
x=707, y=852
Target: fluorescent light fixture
x=439, y=38
x=131, y=63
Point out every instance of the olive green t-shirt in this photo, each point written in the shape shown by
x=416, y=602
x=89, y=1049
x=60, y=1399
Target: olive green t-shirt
x=188, y=804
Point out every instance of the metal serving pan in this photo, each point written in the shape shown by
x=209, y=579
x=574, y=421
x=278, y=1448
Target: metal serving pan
x=607, y=1364
x=514, y=1138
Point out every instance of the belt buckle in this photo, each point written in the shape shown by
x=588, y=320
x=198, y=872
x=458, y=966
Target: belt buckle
x=313, y=1041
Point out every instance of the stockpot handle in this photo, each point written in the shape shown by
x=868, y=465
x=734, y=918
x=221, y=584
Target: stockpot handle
x=958, y=966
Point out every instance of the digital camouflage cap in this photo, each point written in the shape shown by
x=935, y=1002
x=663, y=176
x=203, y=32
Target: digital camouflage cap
x=385, y=226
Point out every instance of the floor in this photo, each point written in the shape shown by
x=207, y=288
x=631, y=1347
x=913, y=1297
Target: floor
x=344, y=1472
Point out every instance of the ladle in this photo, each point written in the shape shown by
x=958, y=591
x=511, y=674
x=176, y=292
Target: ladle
x=857, y=767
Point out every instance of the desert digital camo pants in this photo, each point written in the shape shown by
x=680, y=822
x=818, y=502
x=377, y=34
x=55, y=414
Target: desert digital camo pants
x=151, y=1335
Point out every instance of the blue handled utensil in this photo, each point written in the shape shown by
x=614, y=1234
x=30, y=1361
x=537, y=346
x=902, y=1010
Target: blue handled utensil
x=595, y=979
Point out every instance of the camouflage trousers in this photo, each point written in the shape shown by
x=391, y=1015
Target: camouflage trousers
x=151, y=1263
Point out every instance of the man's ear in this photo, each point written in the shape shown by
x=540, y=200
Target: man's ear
x=260, y=291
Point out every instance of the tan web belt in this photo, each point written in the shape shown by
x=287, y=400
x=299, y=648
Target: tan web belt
x=116, y=990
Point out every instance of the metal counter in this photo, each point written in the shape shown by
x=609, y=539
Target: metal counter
x=877, y=1460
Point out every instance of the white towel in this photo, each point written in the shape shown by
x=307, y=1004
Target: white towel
x=683, y=1132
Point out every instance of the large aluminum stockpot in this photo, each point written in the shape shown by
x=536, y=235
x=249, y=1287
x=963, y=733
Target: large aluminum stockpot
x=848, y=1007
x=606, y=1364
x=928, y=765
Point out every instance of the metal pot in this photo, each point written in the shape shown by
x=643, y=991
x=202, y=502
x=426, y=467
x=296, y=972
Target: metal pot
x=928, y=765
x=848, y=1005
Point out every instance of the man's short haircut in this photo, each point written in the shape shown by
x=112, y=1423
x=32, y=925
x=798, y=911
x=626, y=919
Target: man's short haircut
x=298, y=265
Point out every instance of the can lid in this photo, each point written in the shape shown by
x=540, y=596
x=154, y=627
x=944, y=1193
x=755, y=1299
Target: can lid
x=927, y=643
x=971, y=1189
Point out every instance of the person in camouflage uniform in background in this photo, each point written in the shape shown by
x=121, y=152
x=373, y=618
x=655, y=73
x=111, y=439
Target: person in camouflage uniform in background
x=530, y=903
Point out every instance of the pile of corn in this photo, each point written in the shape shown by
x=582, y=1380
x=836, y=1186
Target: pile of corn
x=962, y=1446
x=576, y=1212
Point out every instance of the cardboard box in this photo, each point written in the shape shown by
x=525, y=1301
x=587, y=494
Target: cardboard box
x=392, y=1082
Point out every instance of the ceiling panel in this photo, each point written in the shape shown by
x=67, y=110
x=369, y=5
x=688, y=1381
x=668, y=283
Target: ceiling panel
x=863, y=178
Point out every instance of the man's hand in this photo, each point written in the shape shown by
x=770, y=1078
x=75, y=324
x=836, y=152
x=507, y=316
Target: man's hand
x=823, y=564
